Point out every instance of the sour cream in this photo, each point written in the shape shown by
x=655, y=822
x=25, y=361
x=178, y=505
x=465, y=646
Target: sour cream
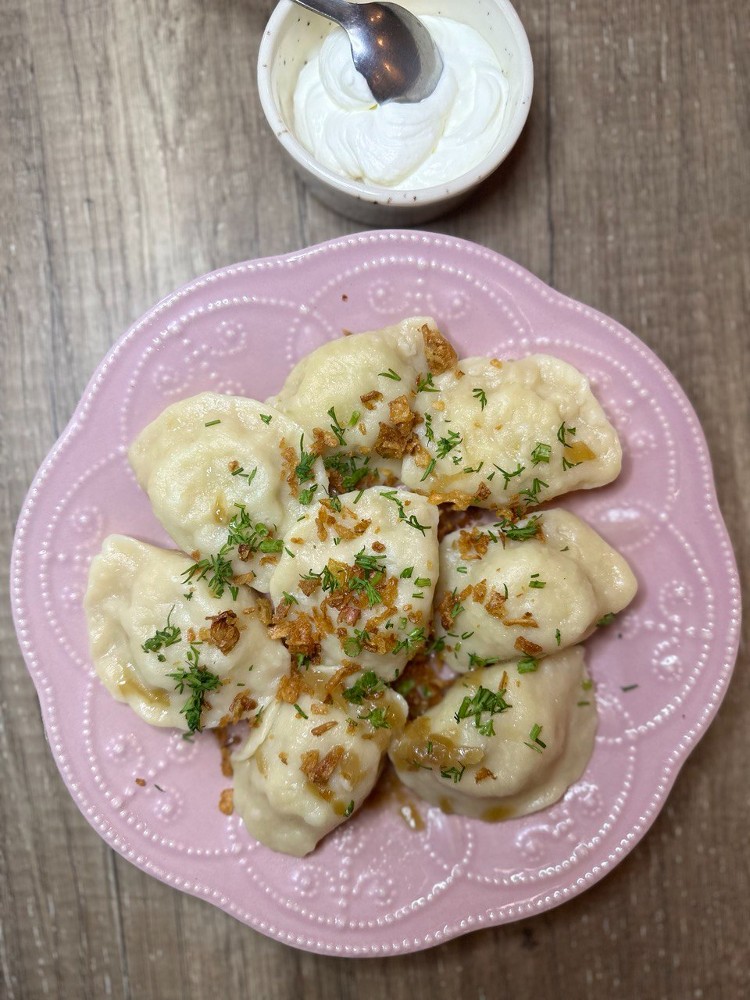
x=403, y=145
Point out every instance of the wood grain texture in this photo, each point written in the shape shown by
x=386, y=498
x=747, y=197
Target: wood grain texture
x=133, y=156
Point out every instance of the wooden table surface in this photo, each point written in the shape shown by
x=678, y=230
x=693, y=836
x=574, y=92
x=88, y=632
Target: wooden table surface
x=134, y=156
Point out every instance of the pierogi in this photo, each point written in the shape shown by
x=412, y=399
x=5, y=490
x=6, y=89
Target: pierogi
x=157, y=650
x=354, y=395
x=500, y=597
x=226, y=476
x=500, y=745
x=497, y=431
x=356, y=578
x=319, y=757
x=294, y=498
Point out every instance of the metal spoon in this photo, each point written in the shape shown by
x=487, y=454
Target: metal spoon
x=391, y=48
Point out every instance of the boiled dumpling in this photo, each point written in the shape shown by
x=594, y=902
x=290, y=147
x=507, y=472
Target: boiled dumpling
x=355, y=396
x=499, y=744
x=225, y=476
x=514, y=431
x=145, y=625
x=319, y=758
x=540, y=590
x=356, y=580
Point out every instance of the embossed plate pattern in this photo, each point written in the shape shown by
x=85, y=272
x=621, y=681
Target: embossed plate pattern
x=375, y=887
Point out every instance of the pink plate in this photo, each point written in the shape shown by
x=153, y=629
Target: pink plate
x=375, y=887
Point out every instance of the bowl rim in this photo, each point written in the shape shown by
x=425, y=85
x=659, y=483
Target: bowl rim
x=381, y=194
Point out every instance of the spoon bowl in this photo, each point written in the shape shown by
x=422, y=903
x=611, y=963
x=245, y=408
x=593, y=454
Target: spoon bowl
x=391, y=48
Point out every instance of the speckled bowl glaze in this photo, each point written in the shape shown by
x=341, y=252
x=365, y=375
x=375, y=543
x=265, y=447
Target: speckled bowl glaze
x=375, y=887
x=290, y=35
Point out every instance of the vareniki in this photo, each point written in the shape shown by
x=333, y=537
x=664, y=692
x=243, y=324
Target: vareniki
x=322, y=571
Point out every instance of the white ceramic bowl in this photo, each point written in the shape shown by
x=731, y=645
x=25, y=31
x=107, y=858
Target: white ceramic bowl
x=290, y=36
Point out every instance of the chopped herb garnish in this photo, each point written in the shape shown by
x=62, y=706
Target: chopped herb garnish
x=405, y=685
x=454, y=774
x=304, y=472
x=406, y=573
x=446, y=444
x=212, y=423
x=377, y=718
x=477, y=468
x=606, y=619
x=290, y=598
x=300, y=712
x=327, y=579
x=429, y=433
x=347, y=468
x=483, y=700
x=481, y=395
x=568, y=465
x=266, y=418
x=373, y=597
x=507, y=476
x=423, y=581
x=480, y=661
x=217, y=571
x=536, y=744
x=371, y=563
x=306, y=496
x=349, y=810
x=536, y=584
x=532, y=493
x=239, y=471
x=391, y=375
x=354, y=644
x=163, y=637
x=541, y=453
x=414, y=638
x=527, y=665
x=412, y=519
x=257, y=538
x=198, y=680
x=517, y=532
x=367, y=685
x=562, y=434
x=428, y=470
x=354, y=418
x=557, y=636
x=425, y=384
x=336, y=427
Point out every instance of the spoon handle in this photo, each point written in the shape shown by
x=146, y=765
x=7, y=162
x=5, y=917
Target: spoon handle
x=337, y=10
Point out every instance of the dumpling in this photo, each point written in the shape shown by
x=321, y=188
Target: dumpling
x=497, y=432
x=356, y=580
x=191, y=663
x=354, y=396
x=226, y=476
x=539, y=589
x=319, y=758
x=499, y=744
